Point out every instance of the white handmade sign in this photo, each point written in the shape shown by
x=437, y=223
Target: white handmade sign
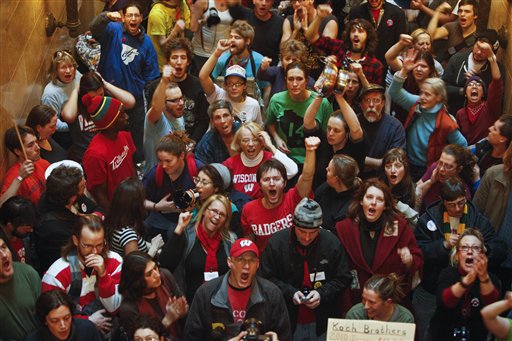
x=369, y=330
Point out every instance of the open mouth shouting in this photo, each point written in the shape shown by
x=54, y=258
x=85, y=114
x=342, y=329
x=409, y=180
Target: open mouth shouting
x=393, y=179
x=273, y=195
x=474, y=96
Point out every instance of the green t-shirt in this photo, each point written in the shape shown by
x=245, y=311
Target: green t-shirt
x=288, y=118
x=509, y=335
x=401, y=314
x=17, y=303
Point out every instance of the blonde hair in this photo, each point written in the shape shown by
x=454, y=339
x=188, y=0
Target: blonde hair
x=467, y=232
x=244, y=29
x=253, y=127
x=417, y=33
x=58, y=58
x=224, y=231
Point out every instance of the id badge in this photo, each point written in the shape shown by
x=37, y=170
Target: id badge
x=208, y=276
x=318, y=276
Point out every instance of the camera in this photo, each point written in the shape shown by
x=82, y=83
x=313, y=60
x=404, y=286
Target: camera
x=253, y=328
x=213, y=17
x=461, y=334
x=185, y=199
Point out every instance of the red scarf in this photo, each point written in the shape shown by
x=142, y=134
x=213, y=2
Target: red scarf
x=474, y=111
x=162, y=297
x=210, y=245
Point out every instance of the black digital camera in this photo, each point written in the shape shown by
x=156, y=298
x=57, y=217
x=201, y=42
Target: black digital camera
x=213, y=17
x=185, y=199
x=253, y=328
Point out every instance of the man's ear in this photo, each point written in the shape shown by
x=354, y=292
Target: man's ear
x=75, y=240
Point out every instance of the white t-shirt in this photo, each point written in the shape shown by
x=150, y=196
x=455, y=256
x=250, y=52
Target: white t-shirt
x=247, y=111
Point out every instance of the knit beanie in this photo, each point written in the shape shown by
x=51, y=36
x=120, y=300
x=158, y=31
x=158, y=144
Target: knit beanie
x=224, y=174
x=308, y=214
x=479, y=80
x=103, y=110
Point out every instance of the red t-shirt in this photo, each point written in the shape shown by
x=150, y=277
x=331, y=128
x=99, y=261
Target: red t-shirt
x=109, y=161
x=244, y=178
x=33, y=185
x=19, y=249
x=263, y=222
x=238, y=299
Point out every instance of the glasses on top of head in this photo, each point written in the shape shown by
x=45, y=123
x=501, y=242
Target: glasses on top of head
x=61, y=53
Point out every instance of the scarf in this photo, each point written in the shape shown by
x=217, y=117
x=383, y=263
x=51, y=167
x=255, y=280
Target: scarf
x=210, y=245
x=251, y=163
x=447, y=231
x=162, y=297
x=305, y=314
x=474, y=111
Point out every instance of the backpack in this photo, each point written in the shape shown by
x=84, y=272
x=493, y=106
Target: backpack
x=253, y=90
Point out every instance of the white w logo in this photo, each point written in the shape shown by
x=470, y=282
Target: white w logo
x=248, y=187
x=245, y=243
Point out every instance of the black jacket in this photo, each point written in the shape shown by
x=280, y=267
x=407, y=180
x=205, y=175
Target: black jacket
x=436, y=257
x=447, y=319
x=54, y=228
x=282, y=264
x=391, y=25
x=211, y=308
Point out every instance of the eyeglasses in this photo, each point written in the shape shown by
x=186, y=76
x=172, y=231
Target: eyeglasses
x=474, y=84
x=446, y=166
x=132, y=15
x=198, y=180
x=234, y=85
x=243, y=261
x=451, y=204
x=372, y=100
x=98, y=247
x=215, y=212
x=473, y=248
x=175, y=100
x=146, y=338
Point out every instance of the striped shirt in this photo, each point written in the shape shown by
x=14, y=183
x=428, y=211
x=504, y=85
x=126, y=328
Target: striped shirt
x=121, y=238
x=58, y=277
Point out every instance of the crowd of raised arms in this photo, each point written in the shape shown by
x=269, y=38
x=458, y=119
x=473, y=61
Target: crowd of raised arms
x=248, y=169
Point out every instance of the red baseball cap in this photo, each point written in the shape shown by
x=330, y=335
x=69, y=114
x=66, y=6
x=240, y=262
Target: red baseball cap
x=242, y=245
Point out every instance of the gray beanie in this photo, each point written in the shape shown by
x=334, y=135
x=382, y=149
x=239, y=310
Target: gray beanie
x=224, y=174
x=308, y=214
